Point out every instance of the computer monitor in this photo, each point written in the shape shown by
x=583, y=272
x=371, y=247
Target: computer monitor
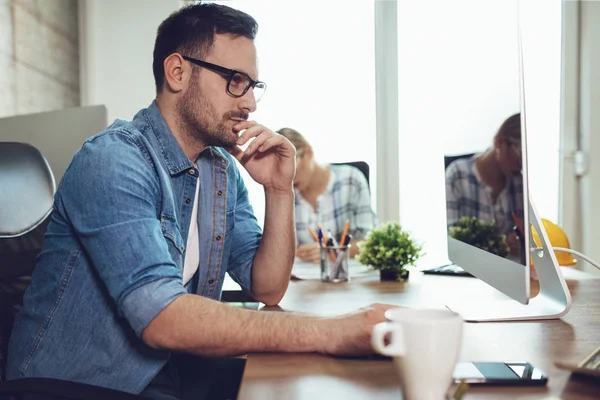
x=56, y=134
x=490, y=212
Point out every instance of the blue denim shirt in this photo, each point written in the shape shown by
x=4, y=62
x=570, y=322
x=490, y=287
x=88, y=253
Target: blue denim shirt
x=114, y=252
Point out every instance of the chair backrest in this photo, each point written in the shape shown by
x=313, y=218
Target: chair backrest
x=26, y=189
x=361, y=165
x=450, y=159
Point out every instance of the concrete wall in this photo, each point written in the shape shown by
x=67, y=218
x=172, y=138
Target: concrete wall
x=39, y=56
x=117, y=41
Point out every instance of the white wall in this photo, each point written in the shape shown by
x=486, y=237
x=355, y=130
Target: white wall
x=116, y=44
x=590, y=126
x=541, y=31
x=386, y=90
x=580, y=127
x=570, y=187
x=39, y=58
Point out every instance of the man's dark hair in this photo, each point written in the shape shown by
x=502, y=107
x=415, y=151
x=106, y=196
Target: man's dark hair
x=511, y=128
x=191, y=31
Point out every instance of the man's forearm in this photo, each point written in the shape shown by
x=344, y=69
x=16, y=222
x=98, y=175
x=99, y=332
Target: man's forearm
x=274, y=259
x=203, y=326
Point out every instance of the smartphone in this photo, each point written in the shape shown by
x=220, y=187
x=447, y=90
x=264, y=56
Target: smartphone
x=499, y=374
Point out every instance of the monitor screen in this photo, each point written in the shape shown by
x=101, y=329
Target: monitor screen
x=485, y=205
x=485, y=166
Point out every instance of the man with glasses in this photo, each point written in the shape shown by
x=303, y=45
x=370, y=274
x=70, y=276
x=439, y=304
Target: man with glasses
x=153, y=212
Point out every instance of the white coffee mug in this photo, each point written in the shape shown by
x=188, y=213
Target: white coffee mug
x=424, y=344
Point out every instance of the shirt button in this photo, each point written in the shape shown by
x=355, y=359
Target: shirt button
x=188, y=200
x=220, y=193
x=192, y=172
x=218, y=237
x=211, y=281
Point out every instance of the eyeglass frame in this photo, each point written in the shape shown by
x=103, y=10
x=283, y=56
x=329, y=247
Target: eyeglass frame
x=514, y=145
x=231, y=72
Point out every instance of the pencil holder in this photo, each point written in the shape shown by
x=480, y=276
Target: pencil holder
x=334, y=263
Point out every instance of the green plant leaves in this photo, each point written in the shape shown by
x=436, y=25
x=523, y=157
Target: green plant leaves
x=389, y=247
x=481, y=234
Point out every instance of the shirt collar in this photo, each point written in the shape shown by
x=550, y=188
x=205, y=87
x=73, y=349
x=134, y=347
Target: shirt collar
x=172, y=152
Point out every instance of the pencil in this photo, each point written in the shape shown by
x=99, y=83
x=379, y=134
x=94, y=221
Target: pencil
x=314, y=235
x=519, y=227
x=344, y=233
x=324, y=237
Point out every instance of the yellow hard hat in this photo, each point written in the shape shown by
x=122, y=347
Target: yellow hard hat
x=558, y=238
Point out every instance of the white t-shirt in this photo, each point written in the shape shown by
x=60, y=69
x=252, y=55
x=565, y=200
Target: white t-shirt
x=192, y=253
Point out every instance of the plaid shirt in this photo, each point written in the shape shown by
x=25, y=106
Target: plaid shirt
x=468, y=196
x=346, y=197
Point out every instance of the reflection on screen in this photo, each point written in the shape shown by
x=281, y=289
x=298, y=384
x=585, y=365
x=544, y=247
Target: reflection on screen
x=484, y=192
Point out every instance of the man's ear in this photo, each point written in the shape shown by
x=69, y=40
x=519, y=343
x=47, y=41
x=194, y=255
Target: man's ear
x=177, y=73
x=308, y=151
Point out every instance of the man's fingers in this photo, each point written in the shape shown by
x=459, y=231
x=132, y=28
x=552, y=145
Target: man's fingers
x=257, y=143
x=274, y=141
x=236, y=152
x=252, y=129
x=382, y=306
x=240, y=126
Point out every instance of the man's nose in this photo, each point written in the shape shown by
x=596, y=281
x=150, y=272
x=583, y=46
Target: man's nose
x=248, y=101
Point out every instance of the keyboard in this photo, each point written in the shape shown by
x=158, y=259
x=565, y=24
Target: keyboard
x=449, y=269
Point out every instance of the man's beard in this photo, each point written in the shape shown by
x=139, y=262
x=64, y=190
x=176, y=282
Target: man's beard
x=199, y=119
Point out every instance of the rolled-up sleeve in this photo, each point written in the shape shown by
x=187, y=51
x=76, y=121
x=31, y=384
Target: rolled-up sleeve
x=246, y=238
x=143, y=304
x=110, y=196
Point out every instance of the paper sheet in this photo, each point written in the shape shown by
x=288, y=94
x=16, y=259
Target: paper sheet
x=304, y=270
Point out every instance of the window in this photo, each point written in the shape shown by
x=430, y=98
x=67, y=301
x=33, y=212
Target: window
x=448, y=89
x=317, y=58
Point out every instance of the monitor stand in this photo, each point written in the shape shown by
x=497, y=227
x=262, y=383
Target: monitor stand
x=553, y=300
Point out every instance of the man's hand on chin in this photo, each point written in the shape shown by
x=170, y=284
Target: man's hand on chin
x=270, y=158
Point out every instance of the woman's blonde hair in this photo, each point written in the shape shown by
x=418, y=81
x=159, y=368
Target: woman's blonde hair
x=299, y=141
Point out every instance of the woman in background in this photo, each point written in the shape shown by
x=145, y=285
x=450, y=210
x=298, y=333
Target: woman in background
x=327, y=196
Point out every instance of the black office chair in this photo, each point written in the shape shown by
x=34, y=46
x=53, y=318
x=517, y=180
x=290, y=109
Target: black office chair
x=26, y=194
x=361, y=165
x=450, y=159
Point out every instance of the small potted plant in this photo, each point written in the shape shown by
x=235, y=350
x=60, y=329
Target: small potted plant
x=390, y=250
x=480, y=234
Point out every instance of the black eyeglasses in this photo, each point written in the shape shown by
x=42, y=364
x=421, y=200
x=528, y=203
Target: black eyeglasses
x=238, y=82
x=515, y=146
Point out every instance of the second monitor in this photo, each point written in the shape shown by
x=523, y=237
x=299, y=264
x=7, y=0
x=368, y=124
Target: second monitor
x=488, y=206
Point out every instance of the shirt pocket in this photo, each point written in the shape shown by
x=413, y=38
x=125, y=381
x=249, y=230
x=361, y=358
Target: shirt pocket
x=172, y=234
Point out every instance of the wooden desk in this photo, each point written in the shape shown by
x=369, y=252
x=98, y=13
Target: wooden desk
x=311, y=376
